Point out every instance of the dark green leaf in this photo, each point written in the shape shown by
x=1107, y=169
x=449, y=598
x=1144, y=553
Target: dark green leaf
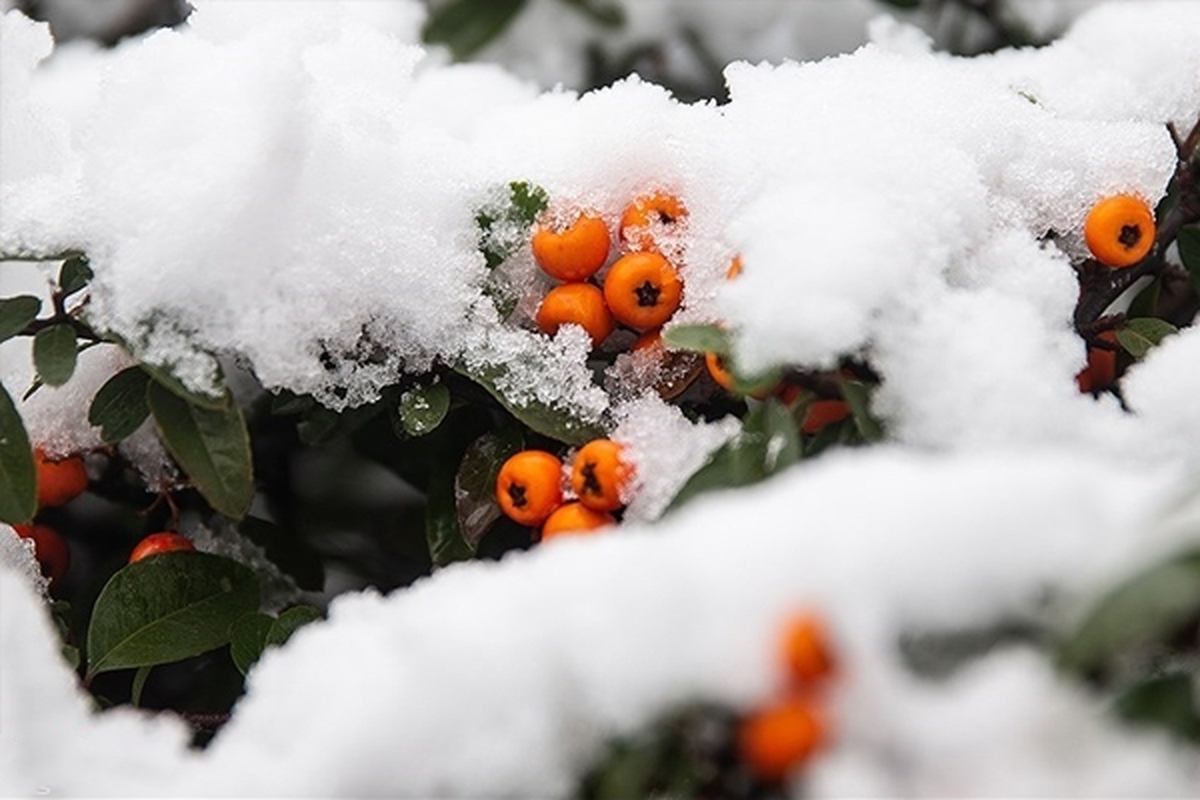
x=1146, y=302
x=287, y=551
x=164, y=378
x=466, y=26
x=1138, y=336
x=211, y=446
x=1166, y=701
x=252, y=634
x=423, y=408
x=16, y=313
x=18, y=477
x=858, y=397
x=697, y=338
x=119, y=407
x=1143, y=610
x=1188, y=242
x=248, y=639
x=289, y=622
x=445, y=538
x=768, y=442
x=74, y=275
x=54, y=354
x=475, y=484
x=528, y=200
x=558, y=424
x=166, y=608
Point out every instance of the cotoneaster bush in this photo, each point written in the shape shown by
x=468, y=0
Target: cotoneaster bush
x=487, y=475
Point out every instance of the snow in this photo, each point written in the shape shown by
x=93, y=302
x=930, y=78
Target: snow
x=295, y=190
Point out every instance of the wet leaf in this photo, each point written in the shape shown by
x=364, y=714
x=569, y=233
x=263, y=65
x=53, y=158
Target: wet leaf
x=166, y=608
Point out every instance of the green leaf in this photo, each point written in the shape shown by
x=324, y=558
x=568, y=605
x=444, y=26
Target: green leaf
x=527, y=200
x=697, y=338
x=253, y=633
x=768, y=442
x=1167, y=701
x=1139, y=335
x=120, y=407
x=287, y=551
x=164, y=378
x=16, y=313
x=1143, y=610
x=74, y=275
x=54, y=354
x=556, y=423
x=466, y=26
x=248, y=639
x=18, y=477
x=212, y=447
x=475, y=484
x=289, y=622
x=1188, y=242
x=858, y=397
x=445, y=538
x=166, y=608
x=524, y=203
x=1146, y=301
x=423, y=408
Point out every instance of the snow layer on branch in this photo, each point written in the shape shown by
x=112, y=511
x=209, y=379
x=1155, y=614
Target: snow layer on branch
x=505, y=679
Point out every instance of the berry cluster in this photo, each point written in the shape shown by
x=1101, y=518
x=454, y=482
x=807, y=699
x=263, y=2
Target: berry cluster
x=640, y=290
x=59, y=481
x=778, y=737
x=530, y=488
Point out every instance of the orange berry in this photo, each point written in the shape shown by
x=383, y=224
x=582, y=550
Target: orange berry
x=59, y=482
x=735, y=268
x=570, y=519
x=162, y=542
x=776, y=739
x=578, y=303
x=716, y=369
x=573, y=253
x=51, y=549
x=529, y=486
x=724, y=378
x=599, y=475
x=1119, y=230
x=806, y=650
x=649, y=217
x=822, y=413
x=642, y=290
